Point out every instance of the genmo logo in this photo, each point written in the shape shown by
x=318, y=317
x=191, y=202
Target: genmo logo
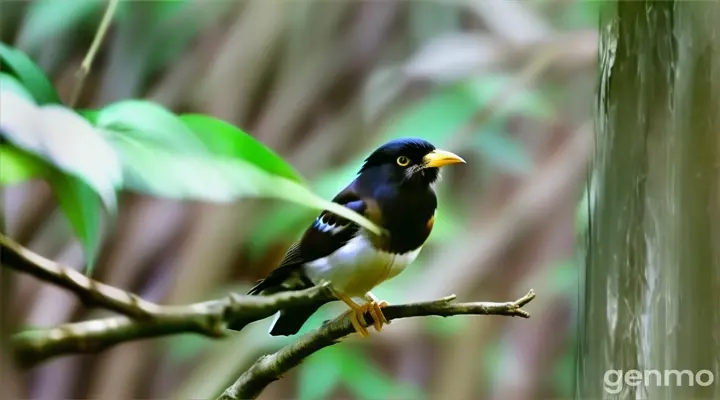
x=615, y=380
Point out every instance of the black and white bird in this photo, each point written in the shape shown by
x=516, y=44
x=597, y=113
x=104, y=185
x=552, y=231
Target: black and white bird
x=393, y=189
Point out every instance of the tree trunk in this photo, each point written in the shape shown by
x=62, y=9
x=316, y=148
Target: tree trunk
x=651, y=298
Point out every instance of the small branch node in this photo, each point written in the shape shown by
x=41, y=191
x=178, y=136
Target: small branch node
x=448, y=299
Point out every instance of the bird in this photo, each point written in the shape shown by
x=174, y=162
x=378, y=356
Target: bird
x=394, y=189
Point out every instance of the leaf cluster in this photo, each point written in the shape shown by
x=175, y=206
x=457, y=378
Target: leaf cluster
x=89, y=156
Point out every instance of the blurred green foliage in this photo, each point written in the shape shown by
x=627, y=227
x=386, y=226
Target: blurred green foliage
x=11, y=84
x=82, y=207
x=345, y=366
x=17, y=166
x=28, y=74
x=162, y=154
x=49, y=18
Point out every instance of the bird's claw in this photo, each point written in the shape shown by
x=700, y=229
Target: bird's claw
x=355, y=316
x=373, y=306
x=377, y=314
x=375, y=310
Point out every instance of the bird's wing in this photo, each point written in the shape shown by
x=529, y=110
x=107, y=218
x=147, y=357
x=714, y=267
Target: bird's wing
x=327, y=233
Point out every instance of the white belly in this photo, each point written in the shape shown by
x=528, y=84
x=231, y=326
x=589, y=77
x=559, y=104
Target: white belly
x=358, y=267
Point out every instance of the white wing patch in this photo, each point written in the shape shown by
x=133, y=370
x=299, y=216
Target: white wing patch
x=274, y=321
x=323, y=224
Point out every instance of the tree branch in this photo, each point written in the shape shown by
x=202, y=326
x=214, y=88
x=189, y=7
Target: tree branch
x=90, y=292
x=142, y=319
x=208, y=318
x=270, y=368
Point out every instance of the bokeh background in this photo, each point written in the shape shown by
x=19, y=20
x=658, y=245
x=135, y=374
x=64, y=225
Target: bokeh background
x=508, y=85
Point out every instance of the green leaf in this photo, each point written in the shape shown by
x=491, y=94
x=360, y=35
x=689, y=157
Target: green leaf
x=149, y=123
x=60, y=136
x=90, y=115
x=49, y=18
x=159, y=172
x=18, y=166
x=191, y=134
x=29, y=74
x=201, y=158
x=82, y=207
x=11, y=84
x=320, y=374
x=224, y=139
x=56, y=135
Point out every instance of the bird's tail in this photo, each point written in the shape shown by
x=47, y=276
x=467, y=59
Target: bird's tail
x=288, y=321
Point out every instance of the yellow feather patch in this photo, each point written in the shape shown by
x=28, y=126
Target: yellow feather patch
x=430, y=223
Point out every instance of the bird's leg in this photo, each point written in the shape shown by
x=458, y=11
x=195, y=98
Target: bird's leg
x=376, y=306
x=356, y=313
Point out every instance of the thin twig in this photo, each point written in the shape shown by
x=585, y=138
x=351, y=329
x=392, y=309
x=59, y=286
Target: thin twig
x=270, y=368
x=92, y=51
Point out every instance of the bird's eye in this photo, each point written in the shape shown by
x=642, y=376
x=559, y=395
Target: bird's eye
x=403, y=161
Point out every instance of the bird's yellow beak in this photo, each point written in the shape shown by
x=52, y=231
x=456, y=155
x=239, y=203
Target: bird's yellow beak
x=439, y=158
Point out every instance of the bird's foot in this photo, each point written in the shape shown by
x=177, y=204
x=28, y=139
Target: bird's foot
x=356, y=315
x=375, y=308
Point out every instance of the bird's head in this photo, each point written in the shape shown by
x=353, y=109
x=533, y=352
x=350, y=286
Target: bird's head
x=408, y=161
